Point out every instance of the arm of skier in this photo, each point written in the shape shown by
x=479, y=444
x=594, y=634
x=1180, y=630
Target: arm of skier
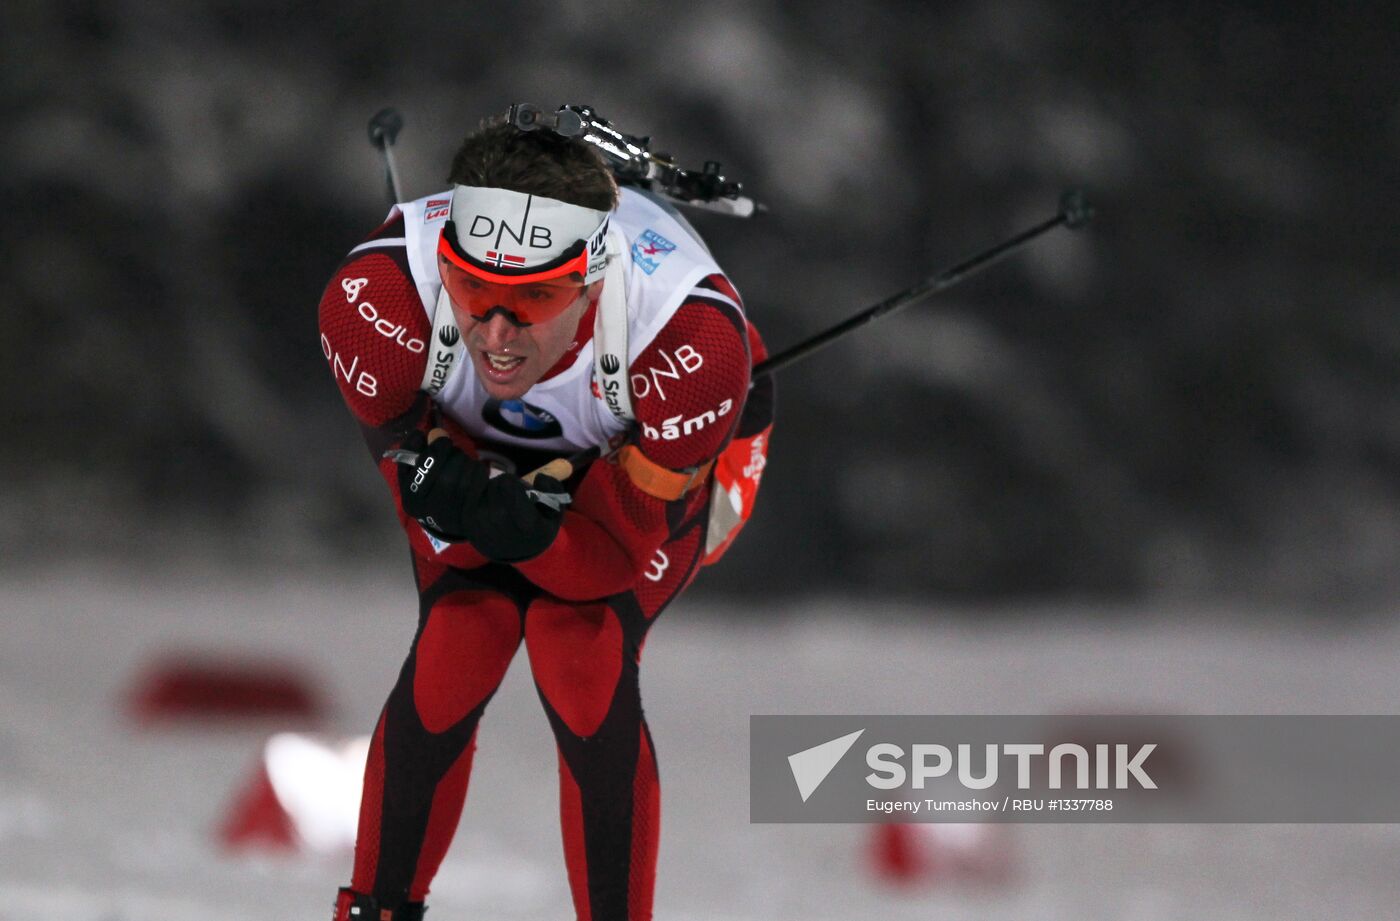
x=375, y=336
x=689, y=387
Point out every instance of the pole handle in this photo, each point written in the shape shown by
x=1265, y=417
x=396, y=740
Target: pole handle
x=384, y=127
x=561, y=468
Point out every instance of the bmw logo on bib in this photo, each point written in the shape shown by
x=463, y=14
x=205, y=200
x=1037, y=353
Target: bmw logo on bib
x=518, y=418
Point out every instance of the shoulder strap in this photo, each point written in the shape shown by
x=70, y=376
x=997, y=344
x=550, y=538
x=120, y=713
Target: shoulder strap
x=610, y=358
x=446, y=352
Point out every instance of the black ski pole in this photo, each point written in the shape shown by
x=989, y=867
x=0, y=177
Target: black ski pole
x=384, y=129
x=1074, y=213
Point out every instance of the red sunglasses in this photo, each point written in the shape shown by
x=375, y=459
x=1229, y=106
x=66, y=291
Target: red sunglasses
x=534, y=295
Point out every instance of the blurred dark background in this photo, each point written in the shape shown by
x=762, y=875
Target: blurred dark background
x=1196, y=396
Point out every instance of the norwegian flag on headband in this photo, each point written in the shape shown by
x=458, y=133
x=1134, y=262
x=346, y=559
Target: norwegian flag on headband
x=500, y=259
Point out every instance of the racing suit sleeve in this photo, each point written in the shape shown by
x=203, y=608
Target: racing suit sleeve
x=689, y=388
x=375, y=336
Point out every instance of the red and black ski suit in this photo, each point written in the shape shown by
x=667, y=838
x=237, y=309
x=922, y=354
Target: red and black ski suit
x=582, y=608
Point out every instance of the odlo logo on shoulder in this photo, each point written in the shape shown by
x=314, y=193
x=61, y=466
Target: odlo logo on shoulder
x=395, y=332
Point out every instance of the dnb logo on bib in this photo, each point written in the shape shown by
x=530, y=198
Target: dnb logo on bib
x=650, y=248
x=518, y=418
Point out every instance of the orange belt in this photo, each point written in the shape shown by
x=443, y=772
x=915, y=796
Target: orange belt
x=656, y=480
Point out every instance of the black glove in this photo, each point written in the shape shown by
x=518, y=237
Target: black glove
x=443, y=489
x=510, y=526
x=454, y=497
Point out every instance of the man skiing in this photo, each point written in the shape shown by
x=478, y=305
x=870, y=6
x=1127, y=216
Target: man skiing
x=591, y=317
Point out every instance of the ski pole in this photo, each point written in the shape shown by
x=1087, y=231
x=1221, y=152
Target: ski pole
x=384, y=129
x=1074, y=213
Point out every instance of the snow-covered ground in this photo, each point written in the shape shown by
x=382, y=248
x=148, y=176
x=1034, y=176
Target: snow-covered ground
x=103, y=821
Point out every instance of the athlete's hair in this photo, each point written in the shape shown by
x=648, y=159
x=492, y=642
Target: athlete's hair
x=500, y=156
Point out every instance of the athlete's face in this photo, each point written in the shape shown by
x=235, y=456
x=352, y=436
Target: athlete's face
x=510, y=358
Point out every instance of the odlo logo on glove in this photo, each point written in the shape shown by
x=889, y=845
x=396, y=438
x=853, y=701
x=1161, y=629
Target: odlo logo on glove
x=420, y=474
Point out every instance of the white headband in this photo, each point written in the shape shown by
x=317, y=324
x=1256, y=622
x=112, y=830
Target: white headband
x=515, y=230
